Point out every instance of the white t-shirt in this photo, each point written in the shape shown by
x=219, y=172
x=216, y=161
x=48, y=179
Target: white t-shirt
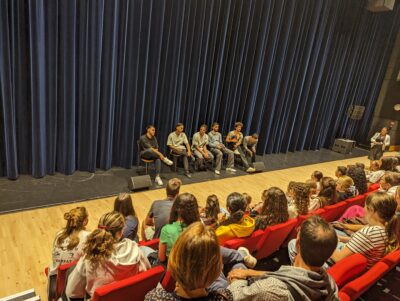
x=61, y=255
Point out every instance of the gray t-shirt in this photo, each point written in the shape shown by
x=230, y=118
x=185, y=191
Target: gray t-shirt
x=214, y=139
x=199, y=140
x=177, y=141
x=146, y=143
x=249, y=145
x=160, y=211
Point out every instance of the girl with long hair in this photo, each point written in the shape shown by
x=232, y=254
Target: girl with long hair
x=107, y=258
x=301, y=199
x=274, y=210
x=124, y=205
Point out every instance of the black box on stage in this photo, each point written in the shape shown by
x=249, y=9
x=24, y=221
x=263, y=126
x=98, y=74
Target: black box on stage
x=259, y=166
x=139, y=182
x=343, y=146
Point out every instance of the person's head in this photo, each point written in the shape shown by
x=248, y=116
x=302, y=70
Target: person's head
x=195, y=260
x=301, y=196
x=173, y=187
x=316, y=176
x=316, y=241
x=389, y=180
x=381, y=207
x=340, y=171
x=328, y=190
x=275, y=206
x=344, y=184
x=360, y=165
x=392, y=123
x=124, y=205
x=236, y=205
x=313, y=187
x=215, y=126
x=151, y=130
x=397, y=198
x=77, y=220
x=383, y=131
x=203, y=129
x=100, y=243
x=185, y=208
x=212, y=207
x=389, y=163
x=289, y=191
x=247, y=198
x=375, y=165
x=253, y=138
x=238, y=126
x=179, y=127
x=359, y=178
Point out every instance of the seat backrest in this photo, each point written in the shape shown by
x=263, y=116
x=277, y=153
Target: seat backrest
x=392, y=259
x=348, y=269
x=62, y=277
x=333, y=212
x=374, y=187
x=168, y=282
x=132, y=288
x=153, y=243
x=344, y=297
x=273, y=238
x=357, y=200
x=248, y=242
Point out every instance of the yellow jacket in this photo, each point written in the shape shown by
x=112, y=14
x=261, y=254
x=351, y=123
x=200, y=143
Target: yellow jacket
x=243, y=229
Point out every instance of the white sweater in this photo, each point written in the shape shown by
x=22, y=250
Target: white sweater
x=127, y=260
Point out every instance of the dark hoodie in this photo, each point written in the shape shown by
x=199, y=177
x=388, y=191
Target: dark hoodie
x=307, y=285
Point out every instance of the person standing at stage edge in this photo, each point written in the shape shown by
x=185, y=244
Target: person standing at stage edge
x=234, y=141
x=149, y=151
x=179, y=145
x=379, y=142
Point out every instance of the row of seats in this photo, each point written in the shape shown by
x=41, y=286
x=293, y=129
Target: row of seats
x=262, y=243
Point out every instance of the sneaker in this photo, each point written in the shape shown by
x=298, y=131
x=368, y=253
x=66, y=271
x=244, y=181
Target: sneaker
x=188, y=175
x=236, y=152
x=159, y=181
x=249, y=261
x=250, y=170
x=230, y=169
x=168, y=161
x=217, y=172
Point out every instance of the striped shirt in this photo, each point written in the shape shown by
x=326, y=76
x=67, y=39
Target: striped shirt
x=370, y=241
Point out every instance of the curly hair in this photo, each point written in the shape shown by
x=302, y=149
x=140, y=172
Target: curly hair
x=76, y=221
x=359, y=178
x=186, y=208
x=237, y=207
x=100, y=243
x=274, y=210
x=301, y=196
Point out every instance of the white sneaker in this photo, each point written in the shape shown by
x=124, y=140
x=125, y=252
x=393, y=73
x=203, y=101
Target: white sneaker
x=236, y=152
x=168, y=161
x=249, y=260
x=250, y=170
x=217, y=172
x=159, y=181
x=230, y=169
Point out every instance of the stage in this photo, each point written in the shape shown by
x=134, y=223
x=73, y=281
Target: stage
x=28, y=193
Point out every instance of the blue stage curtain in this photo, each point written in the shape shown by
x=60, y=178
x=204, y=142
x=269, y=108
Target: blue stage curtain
x=81, y=79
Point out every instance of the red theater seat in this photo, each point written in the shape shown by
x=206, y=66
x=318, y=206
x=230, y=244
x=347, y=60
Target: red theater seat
x=333, y=212
x=132, y=288
x=248, y=242
x=344, y=297
x=168, y=282
x=373, y=187
x=62, y=278
x=357, y=287
x=273, y=238
x=358, y=200
x=348, y=269
x=153, y=243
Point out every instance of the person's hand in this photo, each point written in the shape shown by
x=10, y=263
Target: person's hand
x=237, y=274
x=234, y=140
x=162, y=157
x=220, y=146
x=205, y=155
x=221, y=216
x=189, y=153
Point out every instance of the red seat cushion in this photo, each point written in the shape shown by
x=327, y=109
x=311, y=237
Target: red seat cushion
x=61, y=277
x=348, y=269
x=373, y=187
x=248, y=242
x=344, y=297
x=333, y=212
x=357, y=200
x=132, y=288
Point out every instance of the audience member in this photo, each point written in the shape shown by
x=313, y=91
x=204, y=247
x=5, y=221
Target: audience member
x=107, y=258
x=359, y=178
x=389, y=183
x=389, y=163
x=305, y=280
x=212, y=212
x=375, y=173
x=248, y=200
x=238, y=224
x=316, y=177
x=327, y=196
x=340, y=171
x=69, y=242
x=345, y=188
x=123, y=204
x=195, y=263
x=159, y=212
x=301, y=199
x=274, y=210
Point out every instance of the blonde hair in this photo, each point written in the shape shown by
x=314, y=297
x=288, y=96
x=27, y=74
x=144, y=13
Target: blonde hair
x=345, y=182
x=195, y=260
x=100, y=243
x=76, y=220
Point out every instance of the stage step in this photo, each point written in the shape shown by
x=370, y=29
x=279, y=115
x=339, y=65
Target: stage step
x=28, y=295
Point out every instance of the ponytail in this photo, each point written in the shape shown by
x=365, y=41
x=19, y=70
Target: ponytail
x=237, y=207
x=393, y=232
x=76, y=221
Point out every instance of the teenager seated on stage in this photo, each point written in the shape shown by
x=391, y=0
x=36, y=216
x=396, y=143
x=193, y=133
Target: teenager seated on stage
x=218, y=148
x=107, y=258
x=305, y=280
x=179, y=145
x=199, y=147
x=238, y=224
x=149, y=151
x=249, y=147
x=160, y=210
x=234, y=141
